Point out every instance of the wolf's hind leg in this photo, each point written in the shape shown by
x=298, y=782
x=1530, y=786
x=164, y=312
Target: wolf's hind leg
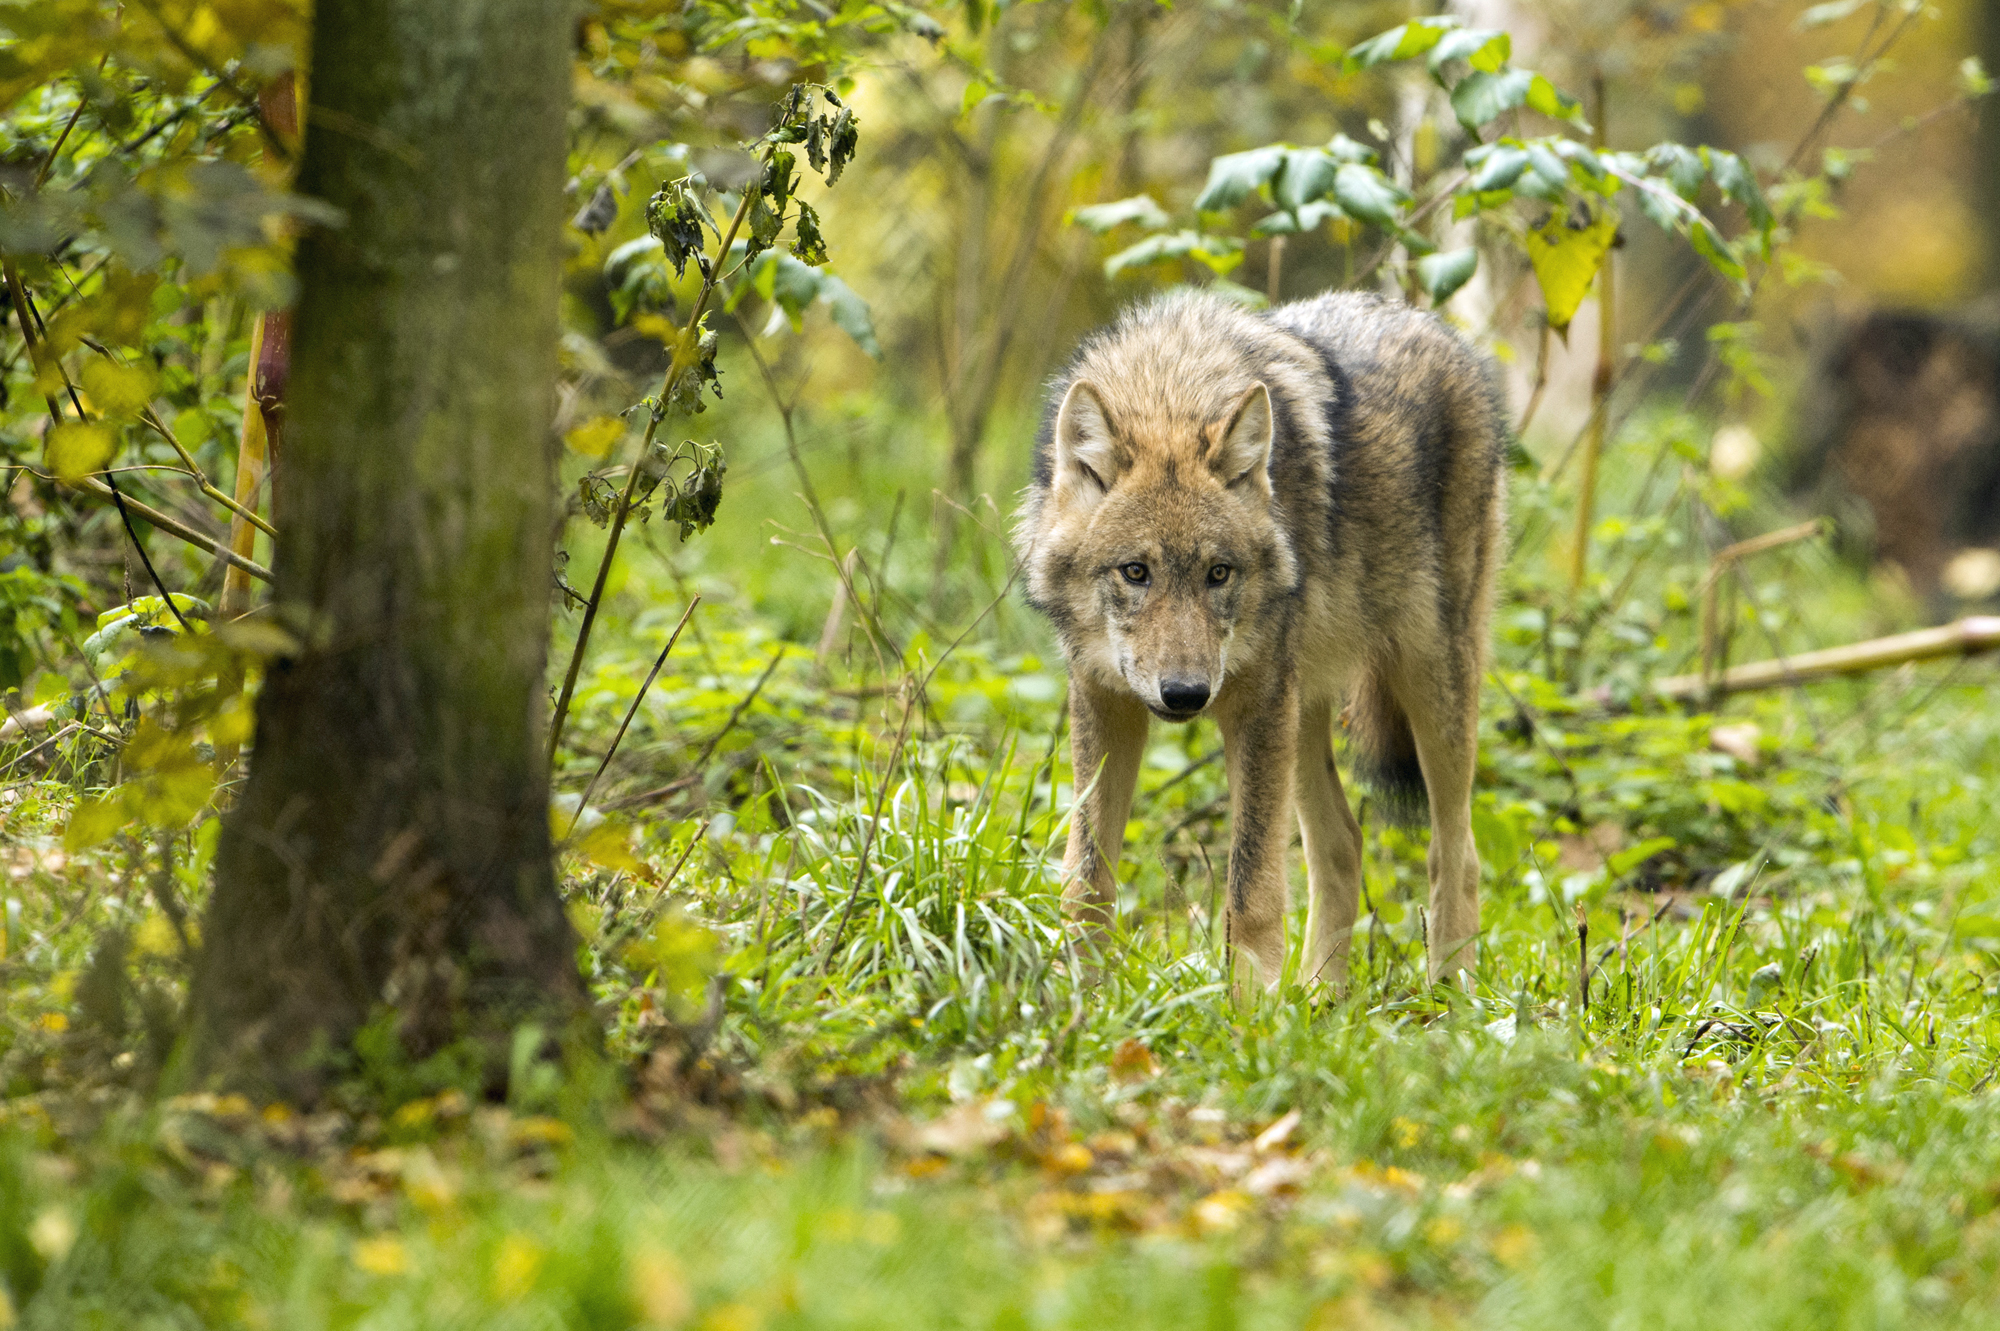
x=1259, y=722
x=1107, y=735
x=1444, y=717
x=1333, y=851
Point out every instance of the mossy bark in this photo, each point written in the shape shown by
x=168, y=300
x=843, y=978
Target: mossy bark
x=390, y=850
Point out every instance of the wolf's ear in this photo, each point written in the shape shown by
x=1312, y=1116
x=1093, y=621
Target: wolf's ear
x=1086, y=455
x=1241, y=448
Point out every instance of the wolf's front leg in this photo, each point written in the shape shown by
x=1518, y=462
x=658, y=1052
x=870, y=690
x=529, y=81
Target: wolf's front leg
x=1260, y=727
x=1107, y=735
x=1333, y=852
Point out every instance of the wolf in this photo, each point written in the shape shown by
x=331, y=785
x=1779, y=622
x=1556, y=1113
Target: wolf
x=1262, y=517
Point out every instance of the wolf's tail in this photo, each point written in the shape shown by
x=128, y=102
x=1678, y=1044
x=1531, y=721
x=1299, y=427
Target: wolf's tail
x=1384, y=752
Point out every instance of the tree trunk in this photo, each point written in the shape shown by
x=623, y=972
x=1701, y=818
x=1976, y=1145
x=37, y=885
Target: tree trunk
x=391, y=847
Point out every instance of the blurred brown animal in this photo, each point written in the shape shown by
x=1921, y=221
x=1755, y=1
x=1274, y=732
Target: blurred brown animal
x=1901, y=436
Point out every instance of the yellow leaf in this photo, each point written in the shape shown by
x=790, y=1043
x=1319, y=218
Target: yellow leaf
x=53, y=1022
x=609, y=846
x=94, y=822
x=1566, y=259
x=595, y=437
x=654, y=325
x=53, y=1234
x=540, y=1130
x=732, y=1317
x=78, y=448
x=383, y=1256
x=118, y=391
x=515, y=1267
x=659, y=1288
x=233, y=722
x=156, y=938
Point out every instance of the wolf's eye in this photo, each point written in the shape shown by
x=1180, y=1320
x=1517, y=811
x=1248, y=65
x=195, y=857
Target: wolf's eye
x=1134, y=573
x=1218, y=574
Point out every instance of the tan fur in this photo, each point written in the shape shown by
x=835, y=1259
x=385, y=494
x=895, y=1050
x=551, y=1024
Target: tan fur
x=1258, y=516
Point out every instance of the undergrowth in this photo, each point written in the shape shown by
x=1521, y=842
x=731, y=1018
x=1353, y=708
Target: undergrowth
x=1730, y=1059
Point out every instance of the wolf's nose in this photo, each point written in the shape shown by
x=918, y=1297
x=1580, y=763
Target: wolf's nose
x=1181, y=695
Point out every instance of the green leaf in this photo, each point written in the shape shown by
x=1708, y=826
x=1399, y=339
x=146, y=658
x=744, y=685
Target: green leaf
x=1547, y=178
x=1102, y=217
x=1307, y=174
x=1733, y=176
x=1625, y=861
x=1547, y=99
x=1343, y=149
x=1710, y=245
x=850, y=314
x=1821, y=15
x=808, y=245
x=1680, y=164
x=1481, y=97
x=1366, y=193
x=1218, y=253
x=1309, y=217
x=1235, y=177
x=1498, y=167
x=1566, y=258
x=1153, y=249
x=1485, y=49
x=1400, y=43
x=1442, y=274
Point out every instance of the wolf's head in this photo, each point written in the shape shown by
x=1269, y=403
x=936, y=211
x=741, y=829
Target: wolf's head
x=1157, y=540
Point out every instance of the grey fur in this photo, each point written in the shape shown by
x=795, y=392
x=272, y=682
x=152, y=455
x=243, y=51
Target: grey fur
x=1337, y=463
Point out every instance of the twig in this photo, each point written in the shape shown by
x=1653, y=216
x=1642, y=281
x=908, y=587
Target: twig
x=1600, y=382
x=1724, y=560
x=630, y=712
x=736, y=712
x=61, y=734
x=1975, y=633
x=25, y=315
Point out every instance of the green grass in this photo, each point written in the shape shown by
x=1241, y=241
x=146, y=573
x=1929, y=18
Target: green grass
x=915, y=1107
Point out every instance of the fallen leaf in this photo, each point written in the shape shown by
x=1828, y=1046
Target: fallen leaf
x=1738, y=741
x=966, y=1128
x=1132, y=1061
x=1274, y=1136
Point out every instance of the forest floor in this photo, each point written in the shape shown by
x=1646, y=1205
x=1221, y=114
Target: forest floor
x=1731, y=1059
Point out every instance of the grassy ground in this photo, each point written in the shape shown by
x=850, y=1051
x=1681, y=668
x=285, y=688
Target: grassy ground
x=854, y=1075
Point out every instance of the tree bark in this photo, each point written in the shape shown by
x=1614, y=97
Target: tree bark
x=391, y=847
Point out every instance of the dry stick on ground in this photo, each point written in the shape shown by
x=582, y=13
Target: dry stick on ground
x=687, y=354
x=630, y=712
x=1975, y=633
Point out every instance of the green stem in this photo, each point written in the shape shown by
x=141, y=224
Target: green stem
x=687, y=351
